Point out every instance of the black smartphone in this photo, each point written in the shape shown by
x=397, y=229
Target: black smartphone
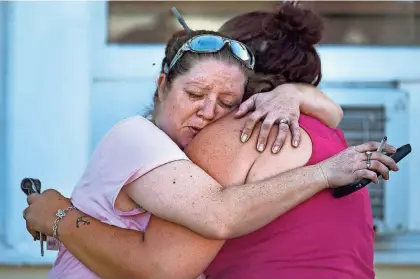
x=340, y=192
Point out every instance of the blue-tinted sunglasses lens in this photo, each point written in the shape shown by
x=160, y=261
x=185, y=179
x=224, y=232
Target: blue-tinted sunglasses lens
x=240, y=51
x=207, y=43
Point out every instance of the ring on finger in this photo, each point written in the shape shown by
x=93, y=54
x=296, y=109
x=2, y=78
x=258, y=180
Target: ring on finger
x=285, y=121
x=368, y=156
x=24, y=213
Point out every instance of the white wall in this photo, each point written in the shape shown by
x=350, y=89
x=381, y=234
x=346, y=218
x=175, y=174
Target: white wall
x=3, y=37
x=47, y=109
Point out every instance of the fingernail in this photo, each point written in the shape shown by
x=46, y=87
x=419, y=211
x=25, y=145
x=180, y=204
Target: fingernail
x=244, y=137
x=260, y=147
x=295, y=143
x=276, y=149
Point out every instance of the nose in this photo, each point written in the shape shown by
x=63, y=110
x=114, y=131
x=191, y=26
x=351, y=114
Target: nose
x=207, y=109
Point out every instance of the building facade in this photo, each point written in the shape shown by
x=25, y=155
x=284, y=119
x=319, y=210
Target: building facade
x=64, y=82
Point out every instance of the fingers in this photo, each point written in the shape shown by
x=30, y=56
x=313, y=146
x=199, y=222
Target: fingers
x=379, y=168
x=32, y=197
x=281, y=137
x=250, y=124
x=379, y=163
x=32, y=232
x=24, y=213
x=373, y=146
x=389, y=149
x=264, y=132
x=295, y=129
x=246, y=107
x=365, y=173
x=384, y=159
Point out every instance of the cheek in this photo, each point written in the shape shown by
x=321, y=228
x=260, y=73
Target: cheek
x=178, y=107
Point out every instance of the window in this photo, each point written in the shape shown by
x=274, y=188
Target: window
x=137, y=22
x=346, y=22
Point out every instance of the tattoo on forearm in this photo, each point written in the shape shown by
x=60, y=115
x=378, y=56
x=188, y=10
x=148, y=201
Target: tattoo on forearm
x=82, y=220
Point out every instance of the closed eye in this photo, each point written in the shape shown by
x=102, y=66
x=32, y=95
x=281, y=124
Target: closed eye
x=229, y=105
x=193, y=94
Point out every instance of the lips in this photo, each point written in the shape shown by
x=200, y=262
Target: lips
x=194, y=129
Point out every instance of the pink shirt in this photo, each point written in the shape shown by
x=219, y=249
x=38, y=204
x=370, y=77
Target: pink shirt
x=129, y=150
x=322, y=238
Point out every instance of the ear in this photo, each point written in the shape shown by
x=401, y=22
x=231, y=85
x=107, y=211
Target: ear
x=161, y=85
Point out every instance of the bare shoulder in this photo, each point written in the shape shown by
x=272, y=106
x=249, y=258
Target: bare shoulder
x=217, y=149
x=289, y=157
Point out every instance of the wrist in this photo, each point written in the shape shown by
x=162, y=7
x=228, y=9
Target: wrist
x=303, y=92
x=66, y=224
x=298, y=92
x=326, y=182
x=318, y=176
x=293, y=90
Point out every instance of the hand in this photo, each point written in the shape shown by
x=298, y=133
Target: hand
x=351, y=165
x=282, y=103
x=40, y=214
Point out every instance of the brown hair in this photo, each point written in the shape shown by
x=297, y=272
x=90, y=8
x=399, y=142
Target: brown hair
x=283, y=43
x=189, y=58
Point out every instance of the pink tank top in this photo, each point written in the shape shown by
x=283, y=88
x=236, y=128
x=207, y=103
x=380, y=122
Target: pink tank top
x=129, y=150
x=322, y=238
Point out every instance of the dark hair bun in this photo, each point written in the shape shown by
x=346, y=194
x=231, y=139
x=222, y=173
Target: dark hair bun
x=294, y=23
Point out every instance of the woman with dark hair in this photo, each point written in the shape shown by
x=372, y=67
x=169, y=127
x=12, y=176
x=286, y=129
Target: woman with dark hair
x=139, y=163
x=323, y=237
x=283, y=42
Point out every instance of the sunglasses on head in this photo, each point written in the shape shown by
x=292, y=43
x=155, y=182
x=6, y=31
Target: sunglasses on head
x=209, y=43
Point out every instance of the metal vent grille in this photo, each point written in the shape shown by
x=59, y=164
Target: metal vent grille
x=361, y=124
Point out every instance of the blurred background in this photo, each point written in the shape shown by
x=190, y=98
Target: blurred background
x=71, y=70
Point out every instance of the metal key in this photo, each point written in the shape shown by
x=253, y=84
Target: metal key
x=31, y=186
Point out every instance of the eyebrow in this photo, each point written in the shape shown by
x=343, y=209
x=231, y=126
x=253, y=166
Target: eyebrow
x=204, y=86
x=208, y=87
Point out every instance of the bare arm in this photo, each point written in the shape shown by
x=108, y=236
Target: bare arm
x=165, y=250
x=186, y=195
x=318, y=105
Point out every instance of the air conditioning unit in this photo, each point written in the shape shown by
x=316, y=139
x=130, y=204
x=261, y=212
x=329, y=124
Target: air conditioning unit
x=369, y=115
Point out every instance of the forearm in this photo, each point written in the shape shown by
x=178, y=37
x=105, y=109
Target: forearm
x=316, y=104
x=196, y=201
x=253, y=206
x=107, y=250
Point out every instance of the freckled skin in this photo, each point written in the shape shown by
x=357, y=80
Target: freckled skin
x=208, y=91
